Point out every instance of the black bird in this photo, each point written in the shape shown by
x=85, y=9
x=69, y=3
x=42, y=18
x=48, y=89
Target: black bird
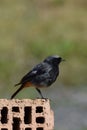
x=42, y=75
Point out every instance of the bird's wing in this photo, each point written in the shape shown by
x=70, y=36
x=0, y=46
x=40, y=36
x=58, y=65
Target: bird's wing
x=37, y=70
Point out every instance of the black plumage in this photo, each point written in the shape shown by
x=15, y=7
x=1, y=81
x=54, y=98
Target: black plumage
x=42, y=75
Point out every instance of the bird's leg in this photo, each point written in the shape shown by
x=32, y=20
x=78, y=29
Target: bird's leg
x=40, y=93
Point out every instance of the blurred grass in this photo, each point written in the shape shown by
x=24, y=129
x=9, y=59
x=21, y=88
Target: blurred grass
x=31, y=30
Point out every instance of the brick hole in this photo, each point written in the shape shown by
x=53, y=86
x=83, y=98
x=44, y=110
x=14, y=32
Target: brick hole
x=40, y=128
x=4, y=113
x=39, y=109
x=16, y=123
x=28, y=129
x=15, y=109
x=40, y=120
x=27, y=116
x=4, y=129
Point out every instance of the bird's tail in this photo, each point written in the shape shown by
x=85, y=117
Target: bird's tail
x=17, y=84
x=18, y=90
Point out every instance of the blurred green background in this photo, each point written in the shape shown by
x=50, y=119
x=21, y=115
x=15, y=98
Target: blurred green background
x=31, y=30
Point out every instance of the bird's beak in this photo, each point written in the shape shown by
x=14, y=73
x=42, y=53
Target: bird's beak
x=63, y=60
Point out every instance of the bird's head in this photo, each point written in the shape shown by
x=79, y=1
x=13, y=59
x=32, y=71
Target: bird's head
x=54, y=60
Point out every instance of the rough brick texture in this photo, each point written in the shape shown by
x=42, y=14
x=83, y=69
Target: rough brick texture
x=26, y=114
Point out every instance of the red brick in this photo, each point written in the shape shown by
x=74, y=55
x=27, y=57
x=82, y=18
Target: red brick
x=26, y=114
